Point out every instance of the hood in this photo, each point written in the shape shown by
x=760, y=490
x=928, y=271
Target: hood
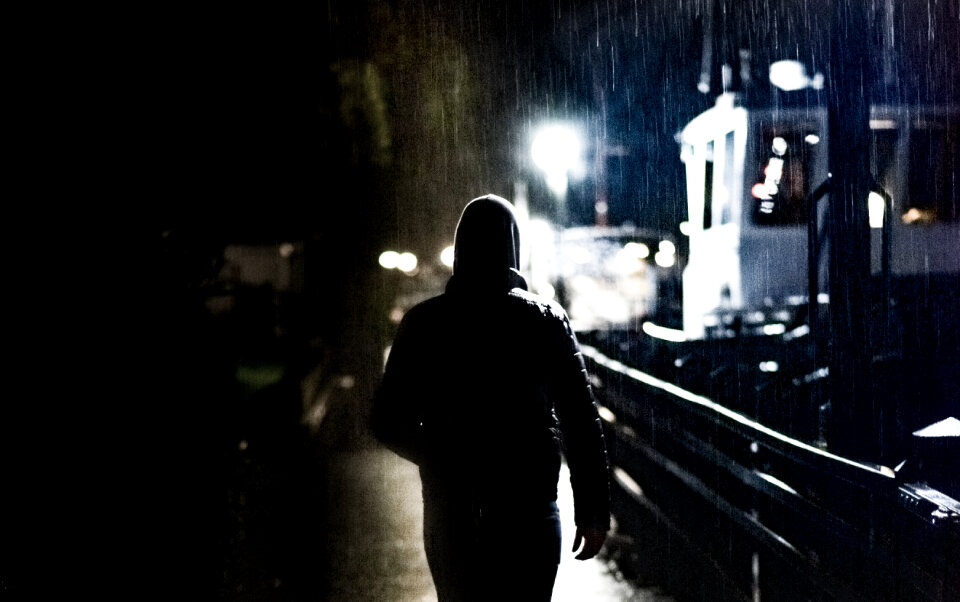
x=487, y=244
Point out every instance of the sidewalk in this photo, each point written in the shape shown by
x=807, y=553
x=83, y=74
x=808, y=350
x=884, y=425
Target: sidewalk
x=374, y=528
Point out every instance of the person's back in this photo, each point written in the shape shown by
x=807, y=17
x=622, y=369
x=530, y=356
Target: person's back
x=484, y=388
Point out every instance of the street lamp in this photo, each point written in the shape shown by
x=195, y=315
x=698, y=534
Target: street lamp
x=406, y=262
x=556, y=150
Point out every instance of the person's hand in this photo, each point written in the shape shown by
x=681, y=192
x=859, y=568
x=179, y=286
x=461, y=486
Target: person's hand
x=592, y=540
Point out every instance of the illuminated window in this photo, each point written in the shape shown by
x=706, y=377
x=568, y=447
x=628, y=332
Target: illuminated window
x=781, y=182
x=932, y=191
x=728, y=172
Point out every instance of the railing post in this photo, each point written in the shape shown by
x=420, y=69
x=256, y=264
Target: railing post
x=852, y=430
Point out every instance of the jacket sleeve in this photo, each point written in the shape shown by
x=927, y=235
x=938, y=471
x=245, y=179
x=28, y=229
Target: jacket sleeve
x=395, y=415
x=582, y=431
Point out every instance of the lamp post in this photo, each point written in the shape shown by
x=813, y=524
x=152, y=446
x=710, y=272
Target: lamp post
x=556, y=150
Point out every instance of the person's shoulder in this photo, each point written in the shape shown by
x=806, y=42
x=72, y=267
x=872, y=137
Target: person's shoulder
x=546, y=307
x=426, y=308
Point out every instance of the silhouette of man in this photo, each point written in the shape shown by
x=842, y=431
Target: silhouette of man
x=485, y=389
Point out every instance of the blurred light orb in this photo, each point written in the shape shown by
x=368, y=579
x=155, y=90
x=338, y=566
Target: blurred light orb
x=446, y=256
x=637, y=250
x=779, y=146
x=875, y=209
x=667, y=247
x=407, y=262
x=389, y=259
x=789, y=75
x=685, y=228
x=556, y=150
x=664, y=259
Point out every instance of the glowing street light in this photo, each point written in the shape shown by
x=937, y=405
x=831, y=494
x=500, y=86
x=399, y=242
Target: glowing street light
x=790, y=75
x=446, y=256
x=389, y=259
x=666, y=254
x=556, y=151
x=407, y=262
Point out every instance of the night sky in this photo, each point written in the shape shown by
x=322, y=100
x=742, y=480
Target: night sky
x=376, y=121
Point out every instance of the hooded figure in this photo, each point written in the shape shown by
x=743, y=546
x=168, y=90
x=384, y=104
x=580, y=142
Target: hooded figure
x=486, y=391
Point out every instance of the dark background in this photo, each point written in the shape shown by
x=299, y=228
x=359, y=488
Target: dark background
x=155, y=136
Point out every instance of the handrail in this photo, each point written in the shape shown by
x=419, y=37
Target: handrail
x=754, y=427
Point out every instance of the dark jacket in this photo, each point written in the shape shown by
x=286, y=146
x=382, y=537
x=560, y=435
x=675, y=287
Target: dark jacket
x=485, y=387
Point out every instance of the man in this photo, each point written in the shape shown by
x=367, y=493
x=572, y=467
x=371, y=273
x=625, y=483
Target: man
x=484, y=389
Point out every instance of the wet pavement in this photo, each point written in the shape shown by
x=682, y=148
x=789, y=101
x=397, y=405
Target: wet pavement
x=327, y=514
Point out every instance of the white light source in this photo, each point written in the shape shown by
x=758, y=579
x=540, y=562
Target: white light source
x=407, y=262
x=556, y=150
x=779, y=145
x=875, y=209
x=685, y=228
x=637, y=250
x=664, y=259
x=446, y=256
x=662, y=332
x=667, y=247
x=789, y=75
x=389, y=259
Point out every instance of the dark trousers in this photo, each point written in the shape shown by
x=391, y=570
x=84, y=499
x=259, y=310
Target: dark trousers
x=478, y=554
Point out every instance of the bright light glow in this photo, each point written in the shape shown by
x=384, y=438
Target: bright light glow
x=779, y=146
x=875, y=207
x=769, y=366
x=407, y=262
x=774, y=481
x=685, y=228
x=800, y=331
x=759, y=191
x=556, y=150
x=948, y=427
x=637, y=250
x=606, y=414
x=812, y=139
x=389, y=259
x=547, y=290
x=667, y=247
x=774, y=329
x=664, y=259
x=883, y=124
x=286, y=250
x=629, y=259
x=789, y=75
x=557, y=181
x=626, y=482
x=579, y=255
x=661, y=332
x=774, y=169
x=446, y=256
x=912, y=215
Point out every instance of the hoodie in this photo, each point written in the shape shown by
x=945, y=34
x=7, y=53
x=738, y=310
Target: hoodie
x=485, y=388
